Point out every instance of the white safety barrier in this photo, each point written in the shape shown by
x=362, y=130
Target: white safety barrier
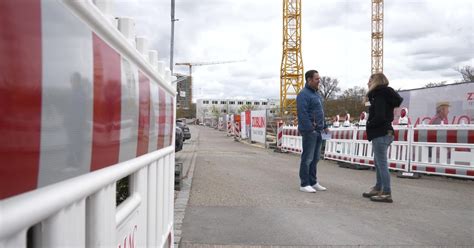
x=98, y=109
x=341, y=145
x=81, y=212
x=441, y=149
x=291, y=140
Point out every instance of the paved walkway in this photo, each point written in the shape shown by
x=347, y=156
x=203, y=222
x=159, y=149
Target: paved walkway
x=243, y=196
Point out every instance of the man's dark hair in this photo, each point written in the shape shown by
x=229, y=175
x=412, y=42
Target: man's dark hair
x=309, y=74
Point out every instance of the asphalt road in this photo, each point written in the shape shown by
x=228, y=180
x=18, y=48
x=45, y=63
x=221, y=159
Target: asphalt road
x=242, y=195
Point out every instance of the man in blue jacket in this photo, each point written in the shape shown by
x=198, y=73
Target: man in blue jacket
x=310, y=124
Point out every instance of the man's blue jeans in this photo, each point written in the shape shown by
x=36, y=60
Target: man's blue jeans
x=380, y=146
x=309, y=158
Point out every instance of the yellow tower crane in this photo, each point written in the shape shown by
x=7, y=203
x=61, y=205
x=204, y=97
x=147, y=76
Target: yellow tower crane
x=291, y=74
x=377, y=36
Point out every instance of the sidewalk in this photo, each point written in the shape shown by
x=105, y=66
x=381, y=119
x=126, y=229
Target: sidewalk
x=244, y=196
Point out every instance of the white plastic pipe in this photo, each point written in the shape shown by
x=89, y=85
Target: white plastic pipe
x=161, y=68
x=126, y=26
x=153, y=57
x=142, y=45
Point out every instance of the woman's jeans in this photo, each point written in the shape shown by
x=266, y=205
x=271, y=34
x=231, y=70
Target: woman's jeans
x=380, y=146
x=309, y=158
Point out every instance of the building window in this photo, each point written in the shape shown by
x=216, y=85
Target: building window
x=205, y=102
x=256, y=103
x=240, y=103
x=249, y=103
x=231, y=102
x=223, y=111
x=223, y=102
x=264, y=103
x=214, y=102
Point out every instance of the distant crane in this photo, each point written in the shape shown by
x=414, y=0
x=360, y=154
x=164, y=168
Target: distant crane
x=188, y=87
x=377, y=36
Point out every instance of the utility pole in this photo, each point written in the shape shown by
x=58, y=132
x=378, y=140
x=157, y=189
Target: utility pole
x=172, y=36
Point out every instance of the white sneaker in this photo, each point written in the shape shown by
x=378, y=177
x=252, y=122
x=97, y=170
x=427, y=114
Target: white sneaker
x=318, y=187
x=307, y=189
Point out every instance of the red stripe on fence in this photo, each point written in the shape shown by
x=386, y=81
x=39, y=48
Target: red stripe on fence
x=107, y=105
x=365, y=135
x=396, y=135
x=415, y=135
x=450, y=171
x=393, y=165
x=432, y=136
x=470, y=173
x=405, y=135
x=371, y=162
x=161, y=118
x=144, y=113
x=20, y=95
x=470, y=136
x=430, y=169
x=414, y=167
x=452, y=136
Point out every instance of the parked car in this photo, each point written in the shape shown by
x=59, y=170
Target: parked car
x=186, y=133
x=179, y=140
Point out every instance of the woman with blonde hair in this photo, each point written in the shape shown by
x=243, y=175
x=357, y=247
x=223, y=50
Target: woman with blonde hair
x=383, y=99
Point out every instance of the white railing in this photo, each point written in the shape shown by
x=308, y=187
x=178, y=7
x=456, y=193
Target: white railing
x=81, y=212
x=442, y=149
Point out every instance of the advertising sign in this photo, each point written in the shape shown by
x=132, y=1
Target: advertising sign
x=258, y=125
x=450, y=104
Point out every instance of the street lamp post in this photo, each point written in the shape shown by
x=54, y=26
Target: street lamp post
x=172, y=36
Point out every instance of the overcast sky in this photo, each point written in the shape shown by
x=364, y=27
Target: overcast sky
x=425, y=40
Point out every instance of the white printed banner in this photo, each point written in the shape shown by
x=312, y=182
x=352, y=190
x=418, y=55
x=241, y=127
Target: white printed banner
x=243, y=128
x=258, y=125
x=422, y=103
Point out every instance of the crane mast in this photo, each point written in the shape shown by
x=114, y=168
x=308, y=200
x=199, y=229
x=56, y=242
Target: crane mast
x=377, y=36
x=291, y=75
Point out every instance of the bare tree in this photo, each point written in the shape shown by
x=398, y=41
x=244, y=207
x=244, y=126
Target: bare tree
x=467, y=73
x=351, y=101
x=328, y=87
x=434, y=84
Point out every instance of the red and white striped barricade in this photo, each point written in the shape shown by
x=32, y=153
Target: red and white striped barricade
x=237, y=130
x=221, y=124
x=398, y=152
x=279, y=133
x=341, y=145
x=291, y=140
x=78, y=115
x=230, y=128
x=443, y=150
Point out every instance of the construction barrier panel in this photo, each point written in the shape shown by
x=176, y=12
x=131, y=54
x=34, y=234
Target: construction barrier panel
x=82, y=109
x=443, y=150
x=291, y=140
x=435, y=149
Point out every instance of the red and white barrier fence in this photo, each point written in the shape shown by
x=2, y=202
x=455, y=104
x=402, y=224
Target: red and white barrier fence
x=82, y=108
x=291, y=140
x=440, y=149
x=237, y=130
x=443, y=150
x=279, y=133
